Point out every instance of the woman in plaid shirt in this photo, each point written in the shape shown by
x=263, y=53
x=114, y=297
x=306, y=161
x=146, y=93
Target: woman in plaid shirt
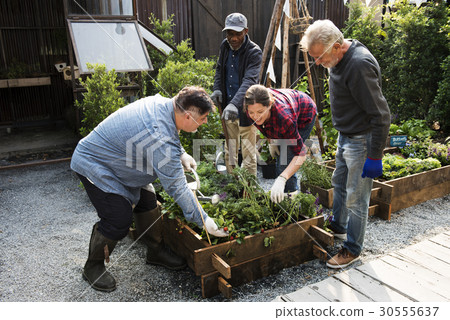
x=286, y=117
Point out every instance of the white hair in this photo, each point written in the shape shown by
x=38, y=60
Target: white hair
x=321, y=32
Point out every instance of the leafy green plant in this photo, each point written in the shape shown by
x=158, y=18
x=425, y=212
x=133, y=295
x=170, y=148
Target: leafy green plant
x=101, y=99
x=413, y=128
x=416, y=149
x=264, y=151
x=440, y=152
x=315, y=174
x=408, y=38
x=395, y=166
x=245, y=208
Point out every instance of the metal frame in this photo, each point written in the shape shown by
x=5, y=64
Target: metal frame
x=141, y=40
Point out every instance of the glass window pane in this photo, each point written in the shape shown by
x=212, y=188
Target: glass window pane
x=115, y=44
x=101, y=7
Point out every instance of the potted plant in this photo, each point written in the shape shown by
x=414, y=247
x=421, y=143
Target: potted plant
x=266, y=161
x=317, y=179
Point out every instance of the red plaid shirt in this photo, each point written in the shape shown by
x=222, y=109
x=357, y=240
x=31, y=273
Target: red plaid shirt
x=292, y=110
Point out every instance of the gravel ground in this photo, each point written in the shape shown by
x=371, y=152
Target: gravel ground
x=46, y=221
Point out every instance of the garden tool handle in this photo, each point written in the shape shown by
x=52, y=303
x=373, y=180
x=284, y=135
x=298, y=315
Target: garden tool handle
x=197, y=179
x=224, y=126
x=201, y=216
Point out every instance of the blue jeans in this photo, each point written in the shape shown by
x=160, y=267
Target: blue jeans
x=351, y=192
x=281, y=163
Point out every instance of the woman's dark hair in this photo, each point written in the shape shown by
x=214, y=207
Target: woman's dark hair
x=195, y=99
x=257, y=94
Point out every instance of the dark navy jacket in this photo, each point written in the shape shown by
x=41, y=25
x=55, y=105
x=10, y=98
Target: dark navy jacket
x=250, y=58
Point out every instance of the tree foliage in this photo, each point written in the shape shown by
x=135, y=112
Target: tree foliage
x=410, y=49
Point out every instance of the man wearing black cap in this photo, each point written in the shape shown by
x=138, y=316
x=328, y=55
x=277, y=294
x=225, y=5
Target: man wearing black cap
x=237, y=69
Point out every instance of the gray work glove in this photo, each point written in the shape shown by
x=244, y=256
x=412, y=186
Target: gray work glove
x=216, y=97
x=231, y=112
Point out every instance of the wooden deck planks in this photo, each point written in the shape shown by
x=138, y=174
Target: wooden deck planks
x=420, y=272
x=425, y=260
x=437, y=283
x=336, y=291
x=370, y=287
x=401, y=281
x=306, y=295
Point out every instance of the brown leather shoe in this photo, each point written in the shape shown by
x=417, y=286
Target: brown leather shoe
x=342, y=259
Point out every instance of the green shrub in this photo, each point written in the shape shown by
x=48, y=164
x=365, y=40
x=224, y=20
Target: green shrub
x=164, y=30
x=411, y=57
x=410, y=46
x=361, y=25
x=440, y=110
x=176, y=75
x=101, y=99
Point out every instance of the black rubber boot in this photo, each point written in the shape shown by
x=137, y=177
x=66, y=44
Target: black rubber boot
x=94, y=270
x=149, y=225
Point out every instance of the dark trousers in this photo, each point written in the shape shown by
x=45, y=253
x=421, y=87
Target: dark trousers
x=115, y=211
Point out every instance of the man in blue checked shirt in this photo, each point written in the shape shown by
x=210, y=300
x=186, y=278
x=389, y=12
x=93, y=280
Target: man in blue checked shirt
x=285, y=116
x=118, y=161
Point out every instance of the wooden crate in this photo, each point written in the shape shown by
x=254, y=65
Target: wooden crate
x=292, y=245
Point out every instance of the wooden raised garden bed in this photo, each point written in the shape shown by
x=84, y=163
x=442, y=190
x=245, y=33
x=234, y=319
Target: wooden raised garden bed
x=414, y=189
x=393, y=195
x=325, y=195
x=291, y=245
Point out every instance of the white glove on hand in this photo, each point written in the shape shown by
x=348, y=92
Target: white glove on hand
x=274, y=150
x=231, y=112
x=188, y=162
x=212, y=228
x=216, y=97
x=277, y=190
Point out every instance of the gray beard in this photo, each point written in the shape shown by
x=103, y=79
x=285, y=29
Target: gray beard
x=232, y=47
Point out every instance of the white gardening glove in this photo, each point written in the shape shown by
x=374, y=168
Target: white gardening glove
x=277, y=190
x=231, y=112
x=216, y=97
x=188, y=162
x=274, y=150
x=212, y=228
